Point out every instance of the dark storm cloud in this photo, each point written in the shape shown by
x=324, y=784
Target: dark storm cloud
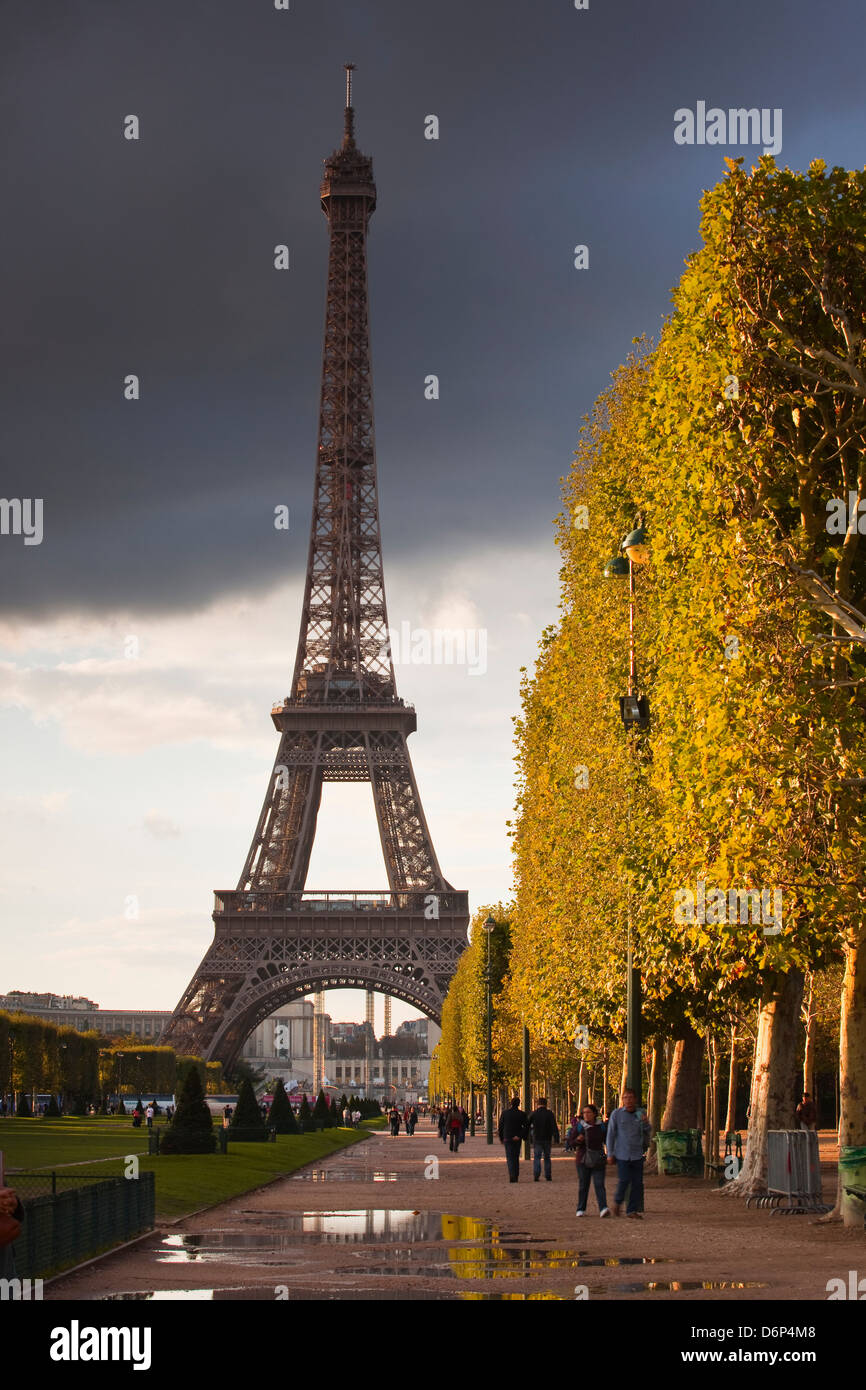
x=155, y=257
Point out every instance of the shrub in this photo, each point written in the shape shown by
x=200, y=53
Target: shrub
x=322, y=1118
x=305, y=1117
x=282, y=1116
x=191, y=1128
x=247, y=1116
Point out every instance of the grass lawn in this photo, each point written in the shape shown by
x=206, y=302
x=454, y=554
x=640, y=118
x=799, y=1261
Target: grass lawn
x=184, y=1182
x=41, y=1143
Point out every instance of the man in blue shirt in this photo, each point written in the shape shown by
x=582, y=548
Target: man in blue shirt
x=628, y=1136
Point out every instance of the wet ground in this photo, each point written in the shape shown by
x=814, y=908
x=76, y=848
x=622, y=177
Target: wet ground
x=401, y=1218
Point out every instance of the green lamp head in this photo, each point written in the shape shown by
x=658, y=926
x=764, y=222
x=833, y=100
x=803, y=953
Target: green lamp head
x=635, y=546
x=616, y=566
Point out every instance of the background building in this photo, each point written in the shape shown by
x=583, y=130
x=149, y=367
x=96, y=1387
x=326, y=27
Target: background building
x=283, y=1045
x=74, y=1011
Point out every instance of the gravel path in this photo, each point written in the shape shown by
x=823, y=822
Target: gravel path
x=368, y=1224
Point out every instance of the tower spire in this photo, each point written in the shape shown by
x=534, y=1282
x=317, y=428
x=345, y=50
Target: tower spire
x=349, y=127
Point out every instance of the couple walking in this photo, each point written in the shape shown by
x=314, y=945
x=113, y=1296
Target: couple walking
x=541, y=1126
x=626, y=1136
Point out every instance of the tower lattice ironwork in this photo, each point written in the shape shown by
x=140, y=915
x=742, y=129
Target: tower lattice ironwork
x=342, y=722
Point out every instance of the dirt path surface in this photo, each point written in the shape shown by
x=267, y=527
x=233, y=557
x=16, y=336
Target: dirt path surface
x=367, y=1224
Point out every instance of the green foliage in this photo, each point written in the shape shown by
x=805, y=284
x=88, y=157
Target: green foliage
x=46, y=1057
x=731, y=439
x=192, y=1111
x=282, y=1116
x=321, y=1112
x=191, y=1128
x=247, y=1115
x=305, y=1117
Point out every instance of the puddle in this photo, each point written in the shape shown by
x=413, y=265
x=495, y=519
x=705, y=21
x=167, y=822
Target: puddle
x=682, y=1285
x=426, y=1245
x=309, y=1295
x=343, y=1175
x=361, y=1227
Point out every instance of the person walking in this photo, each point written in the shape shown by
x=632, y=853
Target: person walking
x=807, y=1113
x=628, y=1136
x=544, y=1131
x=443, y=1128
x=148, y=1115
x=454, y=1126
x=412, y=1121
x=588, y=1143
x=513, y=1126
x=394, y=1120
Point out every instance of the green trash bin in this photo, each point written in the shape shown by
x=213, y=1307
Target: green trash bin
x=679, y=1152
x=852, y=1173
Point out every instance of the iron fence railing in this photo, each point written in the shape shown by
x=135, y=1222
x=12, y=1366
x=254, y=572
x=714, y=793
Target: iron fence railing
x=269, y=901
x=70, y=1217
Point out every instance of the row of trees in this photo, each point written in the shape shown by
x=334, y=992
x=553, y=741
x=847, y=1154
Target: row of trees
x=37, y=1055
x=734, y=441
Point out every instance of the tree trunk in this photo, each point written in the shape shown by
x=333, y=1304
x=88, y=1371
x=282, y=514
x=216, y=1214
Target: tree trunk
x=656, y=1085
x=717, y=1096
x=773, y=1077
x=733, y=1078
x=852, y=1061
x=581, y=1086
x=624, y=1078
x=684, y=1090
x=605, y=1088
x=809, y=1050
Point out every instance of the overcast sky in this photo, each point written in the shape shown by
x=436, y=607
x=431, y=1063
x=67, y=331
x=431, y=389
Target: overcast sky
x=134, y=782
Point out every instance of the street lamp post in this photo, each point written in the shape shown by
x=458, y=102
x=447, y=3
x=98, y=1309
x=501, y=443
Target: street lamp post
x=488, y=927
x=634, y=711
x=13, y=1110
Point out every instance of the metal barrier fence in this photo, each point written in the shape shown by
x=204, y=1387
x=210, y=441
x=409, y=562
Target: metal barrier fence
x=69, y=1218
x=793, y=1173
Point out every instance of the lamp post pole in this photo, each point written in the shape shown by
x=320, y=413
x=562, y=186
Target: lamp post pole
x=13, y=1110
x=488, y=927
x=635, y=716
x=526, y=1100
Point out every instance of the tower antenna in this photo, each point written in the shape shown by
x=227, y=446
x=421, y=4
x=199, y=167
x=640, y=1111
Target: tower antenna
x=350, y=114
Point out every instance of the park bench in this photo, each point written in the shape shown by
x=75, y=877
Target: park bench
x=733, y=1151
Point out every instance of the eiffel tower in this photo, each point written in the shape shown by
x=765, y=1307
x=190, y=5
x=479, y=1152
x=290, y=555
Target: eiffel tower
x=274, y=940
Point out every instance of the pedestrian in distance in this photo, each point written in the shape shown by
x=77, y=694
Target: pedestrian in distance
x=412, y=1121
x=443, y=1128
x=148, y=1115
x=544, y=1131
x=513, y=1128
x=454, y=1126
x=394, y=1120
x=588, y=1135
x=628, y=1137
x=807, y=1113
